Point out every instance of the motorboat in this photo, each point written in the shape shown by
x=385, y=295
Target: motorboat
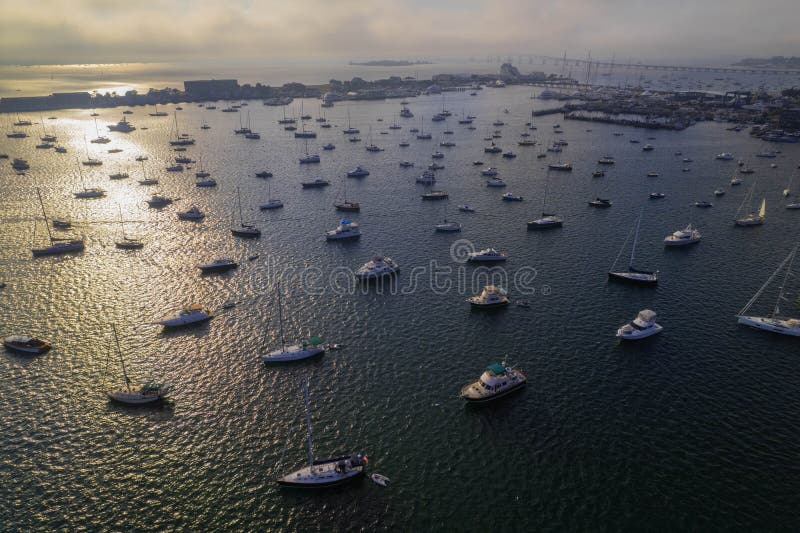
x=264, y=174
x=345, y=230
x=643, y=326
x=560, y=166
x=448, y=227
x=328, y=146
x=724, y=156
x=357, y=172
x=719, y=192
x=491, y=171
x=193, y=314
x=377, y=267
x=406, y=164
x=509, y=197
x=466, y=208
x=404, y=144
x=509, y=155
x=495, y=182
x=123, y=126
x=435, y=166
x=437, y=155
x=435, y=195
x=316, y=184
x=477, y=163
x=218, y=266
x=703, y=203
x=488, y=255
x=599, y=174
x=682, y=237
x=157, y=201
x=735, y=182
x=652, y=174
x=600, y=202
x=20, y=164
x=648, y=148
x=490, y=297
x=193, y=213
x=92, y=192
x=26, y=344
x=497, y=381
x=657, y=195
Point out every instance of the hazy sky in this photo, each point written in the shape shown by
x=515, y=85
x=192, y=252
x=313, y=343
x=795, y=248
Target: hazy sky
x=109, y=31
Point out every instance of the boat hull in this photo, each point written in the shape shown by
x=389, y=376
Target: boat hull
x=772, y=325
x=284, y=356
x=637, y=278
x=503, y=394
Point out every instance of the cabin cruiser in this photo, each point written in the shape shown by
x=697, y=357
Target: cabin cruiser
x=435, y=195
x=495, y=182
x=491, y=296
x=508, y=197
x=26, y=344
x=643, y=326
x=316, y=184
x=448, y=227
x=497, y=380
x=156, y=201
x=688, y=235
x=491, y=171
x=345, y=230
x=122, y=126
x=724, y=156
x=193, y=213
x=378, y=267
x=357, y=172
x=487, y=256
x=218, y=266
x=193, y=314
x=600, y=202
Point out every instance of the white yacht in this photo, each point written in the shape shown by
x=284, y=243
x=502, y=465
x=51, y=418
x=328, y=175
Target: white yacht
x=193, y=314
x=378, y=267
x=491, y=296
x=774, y=322
x=193, y=213
x=448, y=227
x=26, y=344
x=724, y=156
x=682, y=237
x=491, y=171
x=357, y=172
x=345, y=230
x=497, y=380
x=487, y=256
x=122, y=126
x=643, y=326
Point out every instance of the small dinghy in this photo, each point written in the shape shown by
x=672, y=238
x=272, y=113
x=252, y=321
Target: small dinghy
x=380, y=479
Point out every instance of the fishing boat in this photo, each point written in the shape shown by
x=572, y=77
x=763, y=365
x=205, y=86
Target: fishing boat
x=497, y=381
x=57, y=246
x=632, y=274
x=754, y=218
x=147, y=394
x=326, y=472
x=247, y=231
x=26, y=344
x=775, y=321
x=295, y=352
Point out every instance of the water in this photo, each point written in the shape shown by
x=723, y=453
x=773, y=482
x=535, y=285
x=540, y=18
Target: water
x=696, y=428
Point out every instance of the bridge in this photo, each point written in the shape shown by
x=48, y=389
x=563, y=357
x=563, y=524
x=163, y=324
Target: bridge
x=630, y=65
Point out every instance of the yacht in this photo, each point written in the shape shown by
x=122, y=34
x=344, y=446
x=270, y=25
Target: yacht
x=122, y=126
x=378, y=267
x=193, y=213
x=357, y=172
x=682, y=237
x=490, y=297
x=774, y=322
x=508, y=197
x=448, y=227
x=648, y=148
x=657, y=195
x=491, y=171
x=632, y=274
x=600, y=202
x=26, y=344
x=643, y=326
x=497, y=381
x=316, y=184
x=489, y=255
x=157, y=201
x=345, y=230
x=754, y=218
x=606, y=160
x=495, y=182
x=724, y=156
x=435, y=195
x=719, y=192
x=427, y=178
x=193, y=314
x=218, y=266
x=404, y=144
x=326, y=472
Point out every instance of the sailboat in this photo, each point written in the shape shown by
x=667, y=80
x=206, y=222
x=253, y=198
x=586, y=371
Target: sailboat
x=753, y=218
x=303, y=134
x=181, y=139
x=146, y=180
x=90, y=161
x=773, y=322
x=88, y=192
x=57, y=246
x=422, y=135
x=147, y=394
x=548, y=220
x=272, y=203
x=345, y=204
x=99, y=139
x=295, y=352
x=158, y=113
x=350, y=129
x=788, y=190
x=313, y=158
x=127, y=243
x=247, y=231
x=633, y=275
x=326, y=472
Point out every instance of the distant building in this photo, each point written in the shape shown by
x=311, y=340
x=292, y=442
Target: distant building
x=211, y=88
x=43, y=103
x=72, y=100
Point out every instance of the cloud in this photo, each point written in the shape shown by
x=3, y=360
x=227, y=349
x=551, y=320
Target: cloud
x=111, y=31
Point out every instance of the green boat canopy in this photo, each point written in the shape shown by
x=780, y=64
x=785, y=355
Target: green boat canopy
x=315, y=340
x=496, y=368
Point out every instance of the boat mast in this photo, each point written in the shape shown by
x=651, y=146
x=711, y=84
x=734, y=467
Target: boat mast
x=764, y=286
x=308, y=422
x=239, y=196
x=636, y=238
x=280, y=317
x=44, y=214
x=783, y=285
x=544, y=200
x=121, y=359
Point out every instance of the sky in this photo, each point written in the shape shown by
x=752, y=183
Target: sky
x=112, y=31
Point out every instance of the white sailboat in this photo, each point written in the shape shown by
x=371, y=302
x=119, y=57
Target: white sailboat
x=633, y=274
x=773, y=322
x=326, y=472
x=147, y=394
x=295, y=352
x=247, y=231
x=87, y=192
x=754, y=218
x=548, y=220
